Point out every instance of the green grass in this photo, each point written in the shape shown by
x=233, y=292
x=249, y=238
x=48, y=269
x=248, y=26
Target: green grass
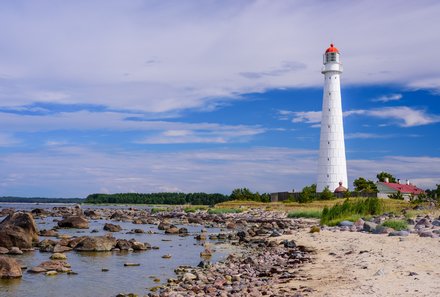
x=194, y=208
x=397, y=225
x=351, y=210
x=223, y=210
x=158, y=209
x=316, y=214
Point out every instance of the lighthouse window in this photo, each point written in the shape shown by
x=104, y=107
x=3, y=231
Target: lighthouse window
x=329, y=109
x=328, y=175
x=329, y=126
x=328, y=142
x=329, y=93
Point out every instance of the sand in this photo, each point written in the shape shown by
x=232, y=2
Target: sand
x=359, y=264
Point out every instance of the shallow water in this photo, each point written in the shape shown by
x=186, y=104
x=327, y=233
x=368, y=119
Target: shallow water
x=91, y=280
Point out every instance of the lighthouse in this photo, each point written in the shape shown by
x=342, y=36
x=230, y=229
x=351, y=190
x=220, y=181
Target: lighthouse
x=332, y=166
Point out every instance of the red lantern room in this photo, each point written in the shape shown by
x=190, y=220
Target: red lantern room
x=331, y=55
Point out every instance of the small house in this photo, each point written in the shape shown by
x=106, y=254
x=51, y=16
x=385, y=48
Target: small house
x=407, y=189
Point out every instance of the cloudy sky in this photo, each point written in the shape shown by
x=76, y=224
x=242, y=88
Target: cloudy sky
x=146, y=96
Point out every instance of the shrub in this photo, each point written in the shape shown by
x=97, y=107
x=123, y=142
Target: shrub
x=396, y=224
x=194, y=208
x=158, y=209
x=305, y=214
x=315, y=229
x=397, y=196
x=326, y=194
x=351, y=209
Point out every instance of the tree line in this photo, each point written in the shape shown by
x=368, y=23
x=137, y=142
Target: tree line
x=158, y=198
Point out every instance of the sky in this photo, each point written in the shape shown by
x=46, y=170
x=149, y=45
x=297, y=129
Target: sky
x=208, y=96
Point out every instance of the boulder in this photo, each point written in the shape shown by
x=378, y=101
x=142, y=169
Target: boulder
x=3, y=250
x=15, y=251
x=18, y=229
x=172, y=230
x=47, y=245
x=123, y=244
x=58, y=256
x=369, y=226
x=52, y=265
x=96, y=244
x=48, y=233
x=112, y=227
x=78, y=222
x=9, y=268
x=345, y=224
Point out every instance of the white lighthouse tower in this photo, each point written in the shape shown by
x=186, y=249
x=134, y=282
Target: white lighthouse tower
x=332, y=167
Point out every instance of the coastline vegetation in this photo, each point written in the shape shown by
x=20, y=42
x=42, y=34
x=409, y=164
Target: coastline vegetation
x=312, y=213
x=351, y=209
x=397, y=225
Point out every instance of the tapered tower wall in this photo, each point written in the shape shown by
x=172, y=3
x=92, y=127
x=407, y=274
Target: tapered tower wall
x=332, y=167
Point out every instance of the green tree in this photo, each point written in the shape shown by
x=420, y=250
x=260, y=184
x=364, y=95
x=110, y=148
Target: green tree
x=326, y=194
x=381, y=177
x=397, y=196
x=308, y=194
x=363, y=185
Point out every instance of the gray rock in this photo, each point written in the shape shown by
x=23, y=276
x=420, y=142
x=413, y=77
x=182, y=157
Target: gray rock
x=78, y=222
x=369, y=226
x=436, y=223
x=399, y=233
x=382, y=230
x=345, y=224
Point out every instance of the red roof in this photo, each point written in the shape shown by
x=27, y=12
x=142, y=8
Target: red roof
x=332, y=49
x=404, y=188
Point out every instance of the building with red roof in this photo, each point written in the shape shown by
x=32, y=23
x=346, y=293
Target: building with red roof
x=407, y=189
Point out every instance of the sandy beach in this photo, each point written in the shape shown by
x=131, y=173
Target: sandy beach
x=359, y=264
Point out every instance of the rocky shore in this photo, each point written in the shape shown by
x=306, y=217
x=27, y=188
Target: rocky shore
x=269, y=260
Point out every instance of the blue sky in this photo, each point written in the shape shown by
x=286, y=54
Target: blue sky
x=147, y=96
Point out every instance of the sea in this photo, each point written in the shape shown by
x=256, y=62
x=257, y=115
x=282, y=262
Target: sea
x=91, y=280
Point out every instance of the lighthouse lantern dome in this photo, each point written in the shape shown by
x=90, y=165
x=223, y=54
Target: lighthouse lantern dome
x=331, y=55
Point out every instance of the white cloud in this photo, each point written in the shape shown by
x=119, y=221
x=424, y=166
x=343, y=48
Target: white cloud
x=360, y=135
x=403, y=116
x=166, y=56
x=60, y=169
x=387, y=98
x=163, y=131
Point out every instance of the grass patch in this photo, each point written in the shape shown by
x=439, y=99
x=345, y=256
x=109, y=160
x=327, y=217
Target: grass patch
x=158, y=209
x=351, y=210
x=397, y=225
x=315, y=214
x=194, y=208
x=224, y=210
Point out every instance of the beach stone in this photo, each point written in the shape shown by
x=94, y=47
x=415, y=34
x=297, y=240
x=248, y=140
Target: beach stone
x=47, y=245
x=9, y=268
x=96, y=244
x=369, y=226
x=78, y=222
x=58, y=248
x=345, y=224
x=382, y=230
x=58, y=256
x=15, y=251
x=3, y=250
x=36, y=269
x=48, y=233
x=290, y=244
x=275, y=233
x=57, y=265
x=427, y=234
x=424, y=222
x=183, y=230
x=189, y=277
x=399, y=233
x=123, y=244
x=51, y=273
x=164, y=225
x=18, y=229
x=436, y=223
x=112, y=227
x=172, y=230
x=138, y=246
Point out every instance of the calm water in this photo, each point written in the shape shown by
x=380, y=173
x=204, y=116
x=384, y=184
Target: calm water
x=91, y=281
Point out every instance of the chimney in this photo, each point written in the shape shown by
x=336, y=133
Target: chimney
x=407, y=182
x=387, y=180
x=398, y=181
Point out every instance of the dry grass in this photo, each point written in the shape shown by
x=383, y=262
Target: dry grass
x=390, y=205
